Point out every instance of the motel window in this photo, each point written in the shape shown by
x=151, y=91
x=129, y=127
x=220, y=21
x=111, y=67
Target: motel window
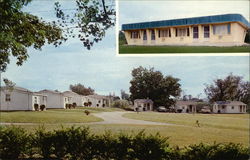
x=164, y=33
x=144, y=35
x=181, y=32
x=152, y=34
x=195, y=32
x=206, y=31
x=7, y=97
x=135, y=35
x=223, y=29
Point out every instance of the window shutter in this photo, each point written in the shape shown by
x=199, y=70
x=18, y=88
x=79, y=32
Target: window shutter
x=214, y=27
x=159, y=33
x=187, y=31
x=131, y=35
x=169, y=32
x=175, y=32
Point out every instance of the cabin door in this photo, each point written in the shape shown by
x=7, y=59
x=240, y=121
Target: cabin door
x=195, y=32
x=144, y=37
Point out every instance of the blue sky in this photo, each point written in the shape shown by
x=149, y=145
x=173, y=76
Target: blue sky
x=100, y=68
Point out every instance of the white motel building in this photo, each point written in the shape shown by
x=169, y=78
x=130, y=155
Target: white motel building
x=216, y=30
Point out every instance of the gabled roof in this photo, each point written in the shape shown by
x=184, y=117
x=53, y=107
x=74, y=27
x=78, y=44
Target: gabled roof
x=188, y=21
x=143, y=101
x=97, y=96
x=16, y=88
x=180, y=102
x=50, y=91
x=70, y=92
x=229, y=103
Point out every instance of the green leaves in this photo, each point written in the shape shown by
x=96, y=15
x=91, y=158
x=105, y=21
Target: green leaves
x=89, y=22
x=21, y=30
x=148, y=83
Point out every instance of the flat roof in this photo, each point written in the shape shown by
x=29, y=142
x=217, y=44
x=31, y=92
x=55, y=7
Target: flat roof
x=188, y=21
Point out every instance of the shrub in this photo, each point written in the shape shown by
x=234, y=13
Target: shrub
x=74, y=105
x=36, y=106
x=86, y=104
x=43, y=141
x=42, y=107
x=14, y=141
x=77, y=143
x=89, y=104
x=124, y=104
x=86, y=112
x=70, y=106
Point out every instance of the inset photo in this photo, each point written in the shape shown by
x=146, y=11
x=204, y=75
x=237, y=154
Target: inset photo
x=183, y=27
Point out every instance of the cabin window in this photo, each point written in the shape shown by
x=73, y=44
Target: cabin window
x=223, y=29
x=181, y=32
x=206, y=32
x=195, y=32
x=164, y=33
x=145, y=35
x=7, y=97
x=99, y=101
x=135, y=35
x=152, y=34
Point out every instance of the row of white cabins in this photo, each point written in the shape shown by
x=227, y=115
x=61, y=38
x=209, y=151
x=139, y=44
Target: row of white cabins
x=190, y=106
x=23, y=99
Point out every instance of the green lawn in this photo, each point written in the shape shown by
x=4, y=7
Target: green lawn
x=218, y=128
x=225, y=121
x=123, y=49
x=55, y=115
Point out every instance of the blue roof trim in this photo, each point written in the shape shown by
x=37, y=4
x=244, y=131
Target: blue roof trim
x=188, y=21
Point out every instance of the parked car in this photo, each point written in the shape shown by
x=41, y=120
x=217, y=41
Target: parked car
x=162, y=109
x=205, y=109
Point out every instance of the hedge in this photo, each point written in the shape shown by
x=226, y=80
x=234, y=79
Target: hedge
x=77, y=143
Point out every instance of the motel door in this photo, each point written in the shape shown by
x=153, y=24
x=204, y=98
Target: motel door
x=144, y=37
x=35, y=100
x=195, y=32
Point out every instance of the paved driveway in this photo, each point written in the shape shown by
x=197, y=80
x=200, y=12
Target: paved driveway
x=116, y=118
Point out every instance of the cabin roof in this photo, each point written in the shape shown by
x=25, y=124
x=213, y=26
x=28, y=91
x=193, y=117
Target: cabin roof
x=143, y=101
x=229, y=103
x=188, y=21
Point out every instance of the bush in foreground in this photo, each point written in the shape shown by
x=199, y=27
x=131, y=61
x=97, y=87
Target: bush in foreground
x=77, y=143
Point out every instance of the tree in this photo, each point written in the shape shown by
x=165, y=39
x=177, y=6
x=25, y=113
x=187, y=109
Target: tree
x=148, y=83
x=89, y=22
x=230, y=88
x=81, y=89
x=124, y=104
x=122, y=38
x=20, y=30
x=124, y=95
